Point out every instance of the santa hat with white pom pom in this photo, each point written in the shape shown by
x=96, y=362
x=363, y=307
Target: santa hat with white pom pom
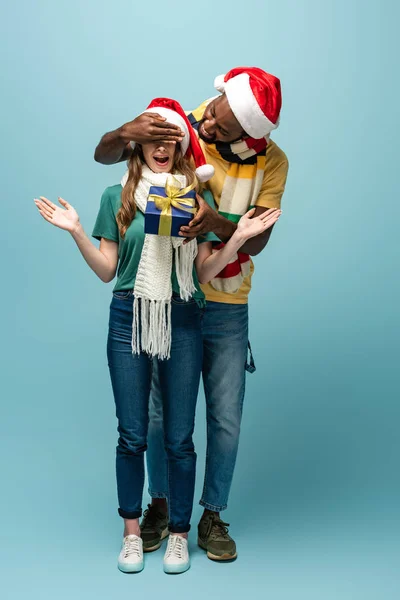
x=254, y=97
x=174, y=113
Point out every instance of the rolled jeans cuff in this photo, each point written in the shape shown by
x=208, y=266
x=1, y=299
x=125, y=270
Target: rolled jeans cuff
x=212, y=506
x=181, y=529
x=130, y=514
x=157, y=494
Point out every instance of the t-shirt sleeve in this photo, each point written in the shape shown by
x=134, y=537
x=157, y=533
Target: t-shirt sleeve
x=106, y=224
x=208, y=237
x=273, y=184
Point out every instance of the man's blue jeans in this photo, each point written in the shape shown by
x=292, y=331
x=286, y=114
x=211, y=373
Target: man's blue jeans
x=131, y=381
x=225, y=344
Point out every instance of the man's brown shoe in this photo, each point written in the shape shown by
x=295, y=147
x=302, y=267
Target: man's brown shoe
x=215, y=539
x=154, y=528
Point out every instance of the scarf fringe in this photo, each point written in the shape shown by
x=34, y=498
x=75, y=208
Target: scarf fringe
x=151, y=327
x=184, y=259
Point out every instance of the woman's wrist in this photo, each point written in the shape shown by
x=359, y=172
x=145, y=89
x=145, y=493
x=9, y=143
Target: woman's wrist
x=77, y=230
x=238, y=238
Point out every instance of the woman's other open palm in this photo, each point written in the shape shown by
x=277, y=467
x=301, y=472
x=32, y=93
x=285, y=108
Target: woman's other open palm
x=65, y=218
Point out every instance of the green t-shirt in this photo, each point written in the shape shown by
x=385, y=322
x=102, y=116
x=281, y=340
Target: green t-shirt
x=130, y=248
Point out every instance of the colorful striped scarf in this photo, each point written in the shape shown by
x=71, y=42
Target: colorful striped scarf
x=241, y=188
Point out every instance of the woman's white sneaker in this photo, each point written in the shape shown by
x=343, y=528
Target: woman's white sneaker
x=130, y=559
x=176, y=558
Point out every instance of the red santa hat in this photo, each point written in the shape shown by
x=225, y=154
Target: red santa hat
x=254, y=97
x=190, y=146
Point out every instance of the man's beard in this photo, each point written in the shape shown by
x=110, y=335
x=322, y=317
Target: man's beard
x=207, y=140
x=212, y=139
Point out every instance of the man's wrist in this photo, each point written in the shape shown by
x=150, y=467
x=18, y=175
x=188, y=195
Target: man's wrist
x=224, y=228
x=123, y=135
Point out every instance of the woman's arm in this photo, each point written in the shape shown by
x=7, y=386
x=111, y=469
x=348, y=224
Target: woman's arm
x=104, y=260
x=209, y=264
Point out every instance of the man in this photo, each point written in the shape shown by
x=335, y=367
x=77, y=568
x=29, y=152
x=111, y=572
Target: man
x=250, y=170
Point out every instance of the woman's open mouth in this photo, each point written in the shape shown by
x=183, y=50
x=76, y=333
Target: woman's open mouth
x=161, y=160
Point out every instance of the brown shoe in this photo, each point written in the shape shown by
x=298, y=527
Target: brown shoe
x=215, y=539
x=154, y=528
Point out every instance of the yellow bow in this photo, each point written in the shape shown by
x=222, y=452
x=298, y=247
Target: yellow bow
x=174, y=197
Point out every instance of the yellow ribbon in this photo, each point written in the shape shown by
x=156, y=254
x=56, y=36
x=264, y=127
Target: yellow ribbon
x=174, y=198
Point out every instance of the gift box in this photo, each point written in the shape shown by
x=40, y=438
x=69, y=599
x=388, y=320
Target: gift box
x=168, y=208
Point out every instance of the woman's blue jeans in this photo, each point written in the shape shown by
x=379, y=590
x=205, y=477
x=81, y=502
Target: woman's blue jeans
x=179, y=378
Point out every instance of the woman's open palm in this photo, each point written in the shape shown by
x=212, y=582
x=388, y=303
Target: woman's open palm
x=65, y=218
x=251, y=226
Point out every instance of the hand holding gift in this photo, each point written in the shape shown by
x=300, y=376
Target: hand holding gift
x=169, y=208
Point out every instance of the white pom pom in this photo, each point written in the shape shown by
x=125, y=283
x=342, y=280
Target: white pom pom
x=205, y=172
x=219, y=83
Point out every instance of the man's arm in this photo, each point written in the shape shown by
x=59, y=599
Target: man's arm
x=270, y=196
x=112, y=148
x=209, y=263
x=210, y=220
x=149, y=127
x=256, y=244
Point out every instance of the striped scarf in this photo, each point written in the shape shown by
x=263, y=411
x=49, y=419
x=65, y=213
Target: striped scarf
x=241, y=188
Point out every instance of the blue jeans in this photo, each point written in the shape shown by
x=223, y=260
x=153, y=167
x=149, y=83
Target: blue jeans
x=225, y=345
x=179, y=377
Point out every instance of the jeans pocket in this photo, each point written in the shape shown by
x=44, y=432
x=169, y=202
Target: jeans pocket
x=250, y=366
x=123, y=295
x=176, y=299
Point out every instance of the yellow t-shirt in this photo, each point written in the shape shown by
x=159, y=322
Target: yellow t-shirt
x=276, y=168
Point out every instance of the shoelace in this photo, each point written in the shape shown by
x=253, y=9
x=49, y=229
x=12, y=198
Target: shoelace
x=175, y=546
x=131, y=546
x=218, y=526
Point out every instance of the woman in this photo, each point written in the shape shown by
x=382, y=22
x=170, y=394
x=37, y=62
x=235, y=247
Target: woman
x=155, y=312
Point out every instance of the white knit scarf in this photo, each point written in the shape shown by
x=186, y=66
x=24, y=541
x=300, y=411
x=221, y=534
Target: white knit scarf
x=151, y=326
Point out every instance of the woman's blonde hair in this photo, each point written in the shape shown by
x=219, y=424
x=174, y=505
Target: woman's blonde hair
x=127, y=212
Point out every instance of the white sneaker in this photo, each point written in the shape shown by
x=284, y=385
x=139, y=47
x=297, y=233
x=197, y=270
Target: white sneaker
x=176, y=558
x=130, y=559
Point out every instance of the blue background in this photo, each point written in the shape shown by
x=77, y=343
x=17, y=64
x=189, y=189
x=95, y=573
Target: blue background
x=315, y=500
